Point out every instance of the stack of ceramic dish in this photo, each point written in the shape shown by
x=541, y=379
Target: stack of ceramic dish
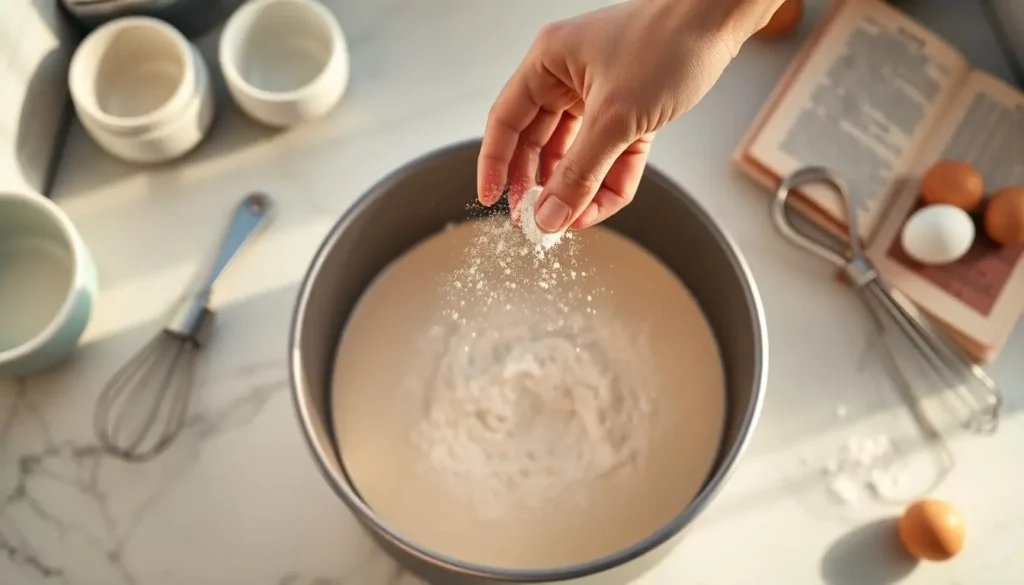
x=141, y=90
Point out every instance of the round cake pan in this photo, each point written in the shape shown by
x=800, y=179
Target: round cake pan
x=416, y=202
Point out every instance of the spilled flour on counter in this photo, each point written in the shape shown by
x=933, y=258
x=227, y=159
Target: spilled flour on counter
x=864, y=466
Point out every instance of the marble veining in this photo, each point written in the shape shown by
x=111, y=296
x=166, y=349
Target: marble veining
x=77, y=471
x=238, y=499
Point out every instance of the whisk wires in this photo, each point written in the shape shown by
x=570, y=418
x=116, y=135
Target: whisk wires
x=145, y=403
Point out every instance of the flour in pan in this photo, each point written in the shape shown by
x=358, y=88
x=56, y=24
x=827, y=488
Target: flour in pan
x=526, y=411
x=523, y=414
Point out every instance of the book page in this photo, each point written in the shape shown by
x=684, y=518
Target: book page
x=754, y=169
x=865, y=97
x=982, y=294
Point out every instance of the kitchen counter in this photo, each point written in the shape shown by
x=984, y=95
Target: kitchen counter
x=238, y=498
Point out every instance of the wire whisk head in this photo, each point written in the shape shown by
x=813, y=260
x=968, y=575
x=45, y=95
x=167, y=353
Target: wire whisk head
x=145, y=404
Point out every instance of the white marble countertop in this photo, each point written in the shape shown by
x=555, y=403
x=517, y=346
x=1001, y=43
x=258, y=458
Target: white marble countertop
x=239, y=500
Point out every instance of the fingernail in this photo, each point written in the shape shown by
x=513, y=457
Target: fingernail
x=551, y=214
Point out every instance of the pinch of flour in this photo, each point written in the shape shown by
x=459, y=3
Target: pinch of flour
x=528, y=222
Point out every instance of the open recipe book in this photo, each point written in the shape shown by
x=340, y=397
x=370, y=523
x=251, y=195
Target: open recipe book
x=878, y=98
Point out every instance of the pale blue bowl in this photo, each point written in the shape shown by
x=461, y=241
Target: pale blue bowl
x=47, y=285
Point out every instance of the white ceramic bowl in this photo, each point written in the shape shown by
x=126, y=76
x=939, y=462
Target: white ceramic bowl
x=285, y=61
x=47, y=284
x=174, y=139
x=132, y=75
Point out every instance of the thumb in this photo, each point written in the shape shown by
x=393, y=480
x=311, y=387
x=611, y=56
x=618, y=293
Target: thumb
x=578, y=176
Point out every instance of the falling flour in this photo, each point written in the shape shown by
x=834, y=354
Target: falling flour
x=500, y=264
x=531, y=397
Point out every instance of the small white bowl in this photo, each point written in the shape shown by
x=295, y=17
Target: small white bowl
x=132, y=75
x=172, y=140
x=285, y=61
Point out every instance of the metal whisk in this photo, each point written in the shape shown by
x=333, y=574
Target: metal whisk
x=933, y=359
x=145, y=404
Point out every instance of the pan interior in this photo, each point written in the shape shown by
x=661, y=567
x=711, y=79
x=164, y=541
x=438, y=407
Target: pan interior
x=416, y=202
x=527, y=412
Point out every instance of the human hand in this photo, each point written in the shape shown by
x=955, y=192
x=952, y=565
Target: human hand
x=580, y=112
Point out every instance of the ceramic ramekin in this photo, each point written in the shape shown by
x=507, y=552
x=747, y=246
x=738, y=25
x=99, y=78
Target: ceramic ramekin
x=174, y=139
x=132, y=75
x=47, y=284
x=285, y=61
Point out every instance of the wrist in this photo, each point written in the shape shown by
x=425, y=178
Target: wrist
x=733, y=20
x=750, y=16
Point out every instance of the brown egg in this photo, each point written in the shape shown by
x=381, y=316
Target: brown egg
x=785, y=20
x=1004, y=216
x=955, y=183
x=932, y=530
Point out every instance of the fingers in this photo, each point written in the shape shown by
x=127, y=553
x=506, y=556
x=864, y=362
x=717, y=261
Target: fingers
x=522, y=170
x=619, y=186
x=532, y=94
x=557, y=143
x=554, y=151
x=514, y=198
x=511, y=113
x=579, y=175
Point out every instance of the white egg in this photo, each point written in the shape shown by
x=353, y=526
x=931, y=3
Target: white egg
x=938, y=234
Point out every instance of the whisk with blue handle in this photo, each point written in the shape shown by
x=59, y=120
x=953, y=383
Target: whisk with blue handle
x=144, y=406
